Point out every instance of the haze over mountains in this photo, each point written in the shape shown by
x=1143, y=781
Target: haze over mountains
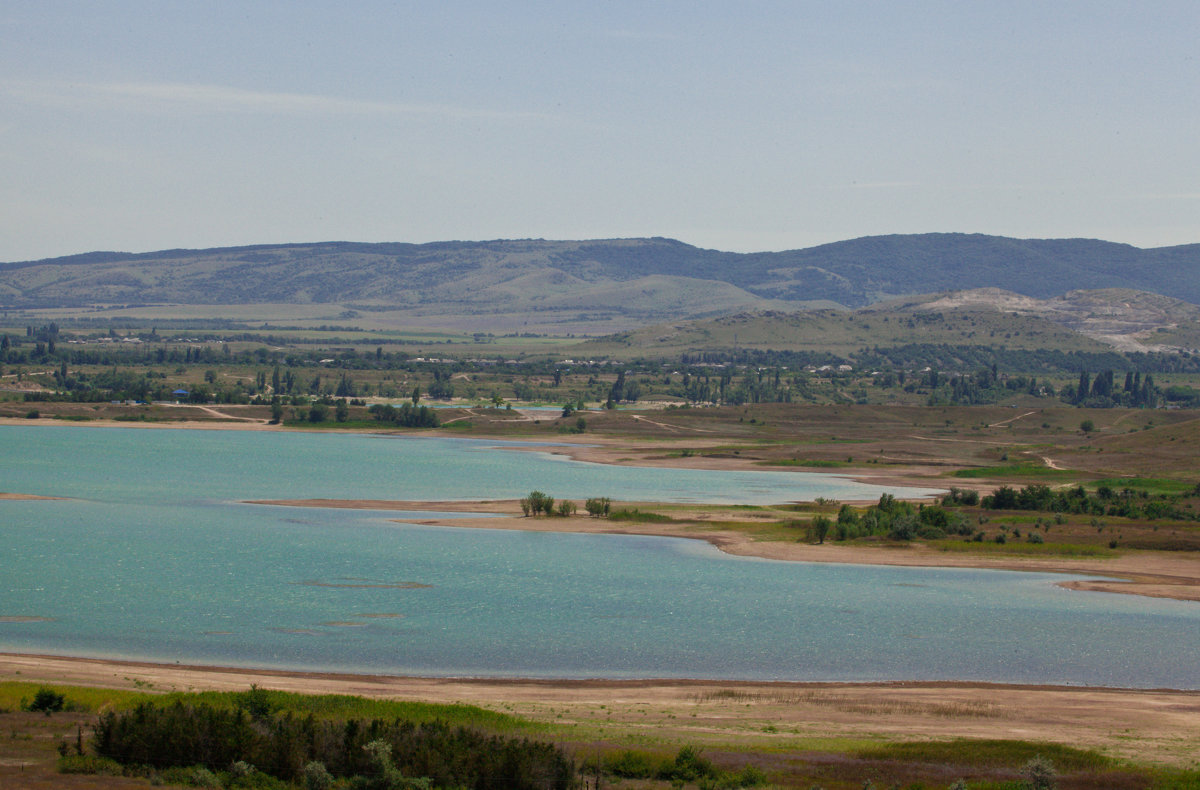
x=664, y=276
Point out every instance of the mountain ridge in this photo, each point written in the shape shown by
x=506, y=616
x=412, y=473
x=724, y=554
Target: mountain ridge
x=517, y=274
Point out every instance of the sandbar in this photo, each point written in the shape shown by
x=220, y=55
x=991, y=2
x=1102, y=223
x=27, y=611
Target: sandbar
x=1155, y=574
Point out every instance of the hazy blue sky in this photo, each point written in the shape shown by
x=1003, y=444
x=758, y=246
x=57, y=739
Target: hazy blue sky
x=739, y=126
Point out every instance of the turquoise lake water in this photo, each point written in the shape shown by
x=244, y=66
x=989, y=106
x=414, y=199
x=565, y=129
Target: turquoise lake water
x=155, y=558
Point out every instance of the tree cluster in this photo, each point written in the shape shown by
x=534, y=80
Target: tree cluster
x=1103, y=393
x=1128, y=502
x=598, y=506
x=405, y=415
x=286, y=746
x=898, y=520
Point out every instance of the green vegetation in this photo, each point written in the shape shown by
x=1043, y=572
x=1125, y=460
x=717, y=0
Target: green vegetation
x=1149, y=485
x=46, y=701
x=637, y=516
x=284, y=746
x=15, y=695
x=813, y=463
x=407, y=416
x=894, y=519
x=902, y=353
x=1031, y=548
x=1126, y=503
x=172, y=739
x=687, y=766
x=990, y=753
x=598, y=506
x=536, y=503
x=1025, y=469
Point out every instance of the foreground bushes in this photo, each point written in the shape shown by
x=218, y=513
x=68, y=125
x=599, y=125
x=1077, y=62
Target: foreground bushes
x=688, y=766
x=286, y=746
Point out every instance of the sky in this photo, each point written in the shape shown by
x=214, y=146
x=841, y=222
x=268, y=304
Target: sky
x=748, y=126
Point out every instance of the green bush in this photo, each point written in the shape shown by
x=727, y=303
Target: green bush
x=88, y=764
x=629, y=764
x=194, y=776
x=598, y=506
x=47, y=701
x=317, y=776
x=749, y=776
x=819, y=528
x=256, y=702
x=536, y=503
x=689, y=766
x=1039, y=773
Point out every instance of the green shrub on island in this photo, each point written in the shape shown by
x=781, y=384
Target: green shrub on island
x=818, y=529
x=598, y=506
x=536, y=503
x=899, y=520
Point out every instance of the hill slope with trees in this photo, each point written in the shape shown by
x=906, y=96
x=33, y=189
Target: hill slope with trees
x=573, y=276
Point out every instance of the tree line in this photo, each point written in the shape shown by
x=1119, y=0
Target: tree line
x=1105, y=500
x=371, y=753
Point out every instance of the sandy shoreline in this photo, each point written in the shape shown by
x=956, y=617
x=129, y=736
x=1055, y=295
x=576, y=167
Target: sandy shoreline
x=1152, y=725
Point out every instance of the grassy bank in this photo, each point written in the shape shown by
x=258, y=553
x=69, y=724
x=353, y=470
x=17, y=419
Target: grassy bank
x=618, y=750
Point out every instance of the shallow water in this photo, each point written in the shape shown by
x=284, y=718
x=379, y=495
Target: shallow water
x=157, y=560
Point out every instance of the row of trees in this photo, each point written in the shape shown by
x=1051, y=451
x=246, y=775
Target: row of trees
x=1102, y=392
x=539, y=503
x=987, y=386
x=405, y=415
x=375, y=753
x=898, y=520
x=1127, y=502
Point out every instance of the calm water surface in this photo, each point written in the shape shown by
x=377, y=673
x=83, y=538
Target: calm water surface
x=155, y=558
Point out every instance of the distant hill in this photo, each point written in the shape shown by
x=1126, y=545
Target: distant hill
x=954, y=329
x=640, y=280
x=845, y=333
